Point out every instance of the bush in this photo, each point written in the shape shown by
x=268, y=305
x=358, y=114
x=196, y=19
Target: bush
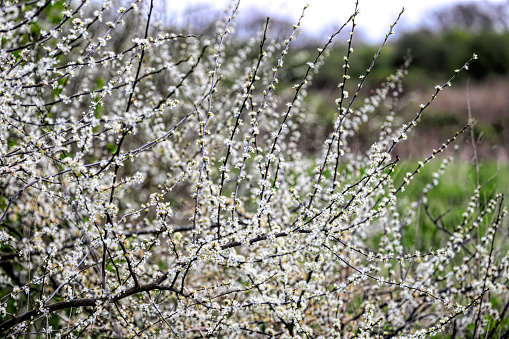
x=152, y=185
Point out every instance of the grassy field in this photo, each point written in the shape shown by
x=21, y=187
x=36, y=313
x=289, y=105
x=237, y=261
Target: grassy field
x=447, y=201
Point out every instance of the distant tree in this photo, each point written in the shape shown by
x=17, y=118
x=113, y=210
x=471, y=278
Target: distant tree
x=437, y=52
x=472, y=16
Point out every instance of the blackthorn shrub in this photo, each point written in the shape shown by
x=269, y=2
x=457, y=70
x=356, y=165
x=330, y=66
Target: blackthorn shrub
x=153, y=184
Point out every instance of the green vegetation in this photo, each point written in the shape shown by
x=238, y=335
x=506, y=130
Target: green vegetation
x=447, y=201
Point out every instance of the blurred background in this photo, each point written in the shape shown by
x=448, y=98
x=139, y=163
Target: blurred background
x=440, y=35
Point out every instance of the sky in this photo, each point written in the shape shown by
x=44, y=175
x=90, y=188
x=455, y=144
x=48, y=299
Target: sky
x=324, y=16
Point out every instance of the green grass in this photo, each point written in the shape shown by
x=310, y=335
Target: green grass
x=449, y=199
